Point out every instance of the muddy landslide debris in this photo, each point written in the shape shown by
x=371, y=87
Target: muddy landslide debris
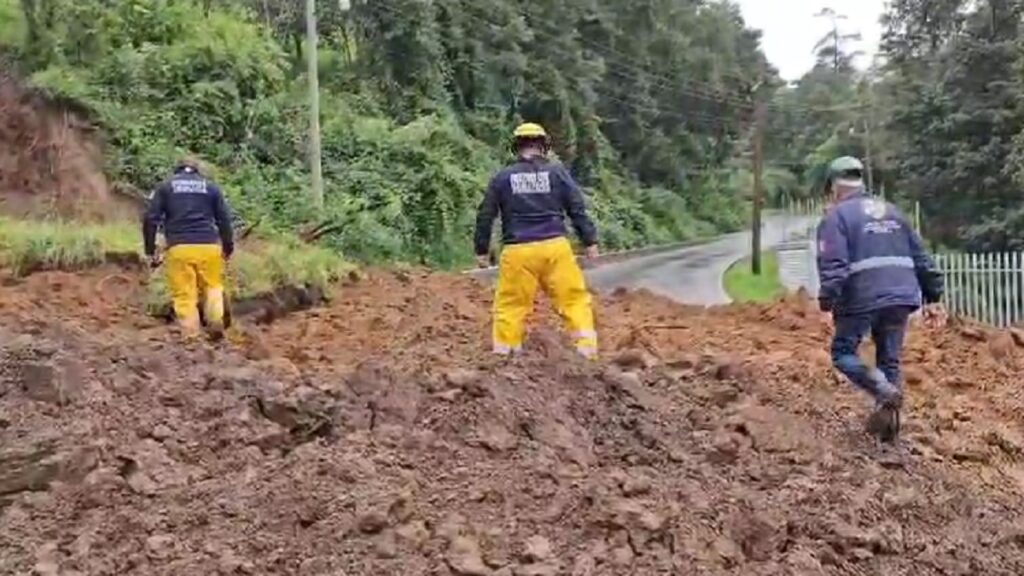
x=378, y=436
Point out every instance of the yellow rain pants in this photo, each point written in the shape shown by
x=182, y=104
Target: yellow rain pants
x=551, y=266
x=196, y=271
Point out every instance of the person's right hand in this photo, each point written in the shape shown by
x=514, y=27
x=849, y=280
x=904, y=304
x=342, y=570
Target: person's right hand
x=155, y=260
x=935, y=315
x=483, y=260
x=592, y=252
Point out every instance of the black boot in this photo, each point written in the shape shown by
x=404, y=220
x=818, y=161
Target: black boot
x=884, y=422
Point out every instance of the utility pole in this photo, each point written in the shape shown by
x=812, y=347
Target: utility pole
x=867, y=158
x=755, y=233
x=312, y=61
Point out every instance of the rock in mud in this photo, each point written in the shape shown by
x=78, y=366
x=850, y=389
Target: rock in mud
x=728, y=368
x=470, y=382
x=973, y=333
x=847, y=538
x=148, y=469
x=35, y=467
x=385, y=546
x=634, y=360
x=630, y=388
x=495, y=437
x=373, y=522
x=56, y=382
x=160, y=545
x=47, y=560
x=465, y=559
x=537, y=549
x=769, y=429
x=758, y=533
x=539, y=569
x=415, y=533
x=622, y=555
x=802, y=562
x=1002, y=346
x=1009, y=441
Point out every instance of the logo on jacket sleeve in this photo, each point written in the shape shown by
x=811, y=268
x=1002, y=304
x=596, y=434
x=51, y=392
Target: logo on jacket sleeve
x=530, y=183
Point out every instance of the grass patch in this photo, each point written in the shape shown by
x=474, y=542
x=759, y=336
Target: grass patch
x=743, y=286
x=258, y=267
x=263, y=268
x=28, y=246
x=12, y=24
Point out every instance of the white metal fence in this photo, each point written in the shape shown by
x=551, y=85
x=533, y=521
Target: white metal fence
x=987, y=287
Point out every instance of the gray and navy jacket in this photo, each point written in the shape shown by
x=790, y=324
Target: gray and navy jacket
x=869, y=257
x=192, y=211
x=533, y=196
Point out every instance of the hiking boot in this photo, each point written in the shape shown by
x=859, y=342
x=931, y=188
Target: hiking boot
x=884, y=422
x=215, y=331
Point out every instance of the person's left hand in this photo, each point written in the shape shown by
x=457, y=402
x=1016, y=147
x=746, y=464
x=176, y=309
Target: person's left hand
x=483, y=260
x=592, y=252
x=155, y=260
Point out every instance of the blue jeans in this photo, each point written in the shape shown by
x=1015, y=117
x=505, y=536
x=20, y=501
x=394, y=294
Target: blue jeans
x=887, y=326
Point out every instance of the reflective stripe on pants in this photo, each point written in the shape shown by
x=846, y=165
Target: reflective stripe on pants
x=551, y=266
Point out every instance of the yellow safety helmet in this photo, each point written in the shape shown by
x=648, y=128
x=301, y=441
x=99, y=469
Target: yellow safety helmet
x=530, y=130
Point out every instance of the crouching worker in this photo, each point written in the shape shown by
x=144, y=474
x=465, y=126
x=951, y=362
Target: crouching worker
x=197, y=227
x=874, y=272
x=532, y=197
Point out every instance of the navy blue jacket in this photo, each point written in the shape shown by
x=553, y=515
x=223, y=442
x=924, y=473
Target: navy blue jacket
x=533, y=196
x=869, y=257
x=192, y=211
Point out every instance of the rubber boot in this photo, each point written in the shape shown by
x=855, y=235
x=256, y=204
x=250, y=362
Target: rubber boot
x=884, y=422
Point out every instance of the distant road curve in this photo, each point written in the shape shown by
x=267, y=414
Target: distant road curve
x=694, y=275
x=691, y=274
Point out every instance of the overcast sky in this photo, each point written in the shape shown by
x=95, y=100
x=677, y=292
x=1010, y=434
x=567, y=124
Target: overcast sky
x=790, y=29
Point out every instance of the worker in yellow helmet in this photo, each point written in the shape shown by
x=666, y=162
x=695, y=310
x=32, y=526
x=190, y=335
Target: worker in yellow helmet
x=532, y=197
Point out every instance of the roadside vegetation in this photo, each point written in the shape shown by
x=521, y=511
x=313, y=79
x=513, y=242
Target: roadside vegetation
x=743, y=286
x=418, y=100
x=261, y=266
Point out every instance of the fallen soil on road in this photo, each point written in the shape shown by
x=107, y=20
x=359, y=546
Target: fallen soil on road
x=377, y=436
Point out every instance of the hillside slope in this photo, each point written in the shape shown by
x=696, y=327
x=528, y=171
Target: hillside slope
x=51, y=162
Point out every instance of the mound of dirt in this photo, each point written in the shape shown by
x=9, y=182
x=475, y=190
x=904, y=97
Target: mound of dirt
x=378, y=436
x=51, y=161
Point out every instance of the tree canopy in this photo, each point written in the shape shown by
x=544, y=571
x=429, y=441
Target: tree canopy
x=938, y=117
x=649, y=103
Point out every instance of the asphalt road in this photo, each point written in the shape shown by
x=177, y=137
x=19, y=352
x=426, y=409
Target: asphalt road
x=694, y=275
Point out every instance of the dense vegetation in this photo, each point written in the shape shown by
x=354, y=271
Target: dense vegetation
x=649, y=103
x=939, y=117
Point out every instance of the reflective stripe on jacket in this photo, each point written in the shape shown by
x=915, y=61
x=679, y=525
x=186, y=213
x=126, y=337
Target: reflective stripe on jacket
x=869, y=257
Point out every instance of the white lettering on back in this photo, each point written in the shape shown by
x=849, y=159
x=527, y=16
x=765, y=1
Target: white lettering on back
x=530, y=183
x=188, y=186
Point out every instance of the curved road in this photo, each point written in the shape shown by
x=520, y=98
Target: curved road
x=694, y=275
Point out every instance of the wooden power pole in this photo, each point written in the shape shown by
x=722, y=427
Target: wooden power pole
x=867, y=157
x=312, y=61
x=755, y=232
